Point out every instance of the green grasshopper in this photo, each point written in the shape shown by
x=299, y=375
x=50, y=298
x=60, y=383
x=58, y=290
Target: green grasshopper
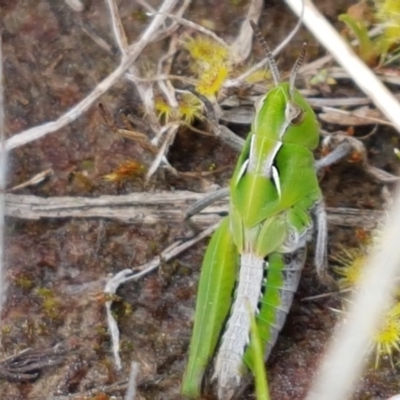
x=258, y=251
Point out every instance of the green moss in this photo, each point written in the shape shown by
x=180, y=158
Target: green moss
x=51, y=305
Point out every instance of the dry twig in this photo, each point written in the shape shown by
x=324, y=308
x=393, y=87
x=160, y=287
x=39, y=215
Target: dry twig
x=35, y=180
x=157, y=208
x=127, y=275
x=27, y=364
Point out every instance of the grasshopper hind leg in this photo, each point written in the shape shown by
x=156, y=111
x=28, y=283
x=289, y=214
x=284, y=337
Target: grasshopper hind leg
x=283, y=276
x=272, y=316
x=287, y=268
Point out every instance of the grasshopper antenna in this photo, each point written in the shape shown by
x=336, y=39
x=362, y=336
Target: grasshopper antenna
x=271, y=60
x=296, y=68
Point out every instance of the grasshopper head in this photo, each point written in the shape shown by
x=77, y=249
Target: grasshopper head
x=283, y=113
x=301, y=123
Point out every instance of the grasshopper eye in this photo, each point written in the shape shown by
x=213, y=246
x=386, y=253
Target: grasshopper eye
x=294, y=114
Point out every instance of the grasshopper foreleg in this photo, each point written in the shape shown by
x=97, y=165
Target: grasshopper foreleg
x=206, y=201
x=341, y=151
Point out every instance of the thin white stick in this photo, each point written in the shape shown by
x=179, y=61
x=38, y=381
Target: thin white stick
x=320, y=62
x=110, y=289
x=165, y=62
x=344, y=55
x=131, y=391
x=170, y=253
x=117, y=27
x=3, y=166
x=161, y=156
x=171, y=28
x=346, y=355
x=75, y=112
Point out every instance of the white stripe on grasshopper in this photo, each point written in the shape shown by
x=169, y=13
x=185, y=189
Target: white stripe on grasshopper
x=229, y=365
x=269, y=161
x=284, y=128
x=259, y=103
x=277, y=182
x=252, y=160
x=242, y=171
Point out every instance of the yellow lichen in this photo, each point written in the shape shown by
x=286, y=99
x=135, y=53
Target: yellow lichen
x=387, y=339
x=211, y=80
x=350, y=269
x=165, y=111
x=205, y=50
x=190, y=108
x=211, y=64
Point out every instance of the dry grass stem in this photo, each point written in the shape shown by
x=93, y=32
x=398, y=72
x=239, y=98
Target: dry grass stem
x=161, y=207
x=164, y=68
x=358, y=114
x=131, y=391
x=161, y=156
x=110, y=289
x=166, y=32
x=317, y=64
x=35, y=180
x=117, y=28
